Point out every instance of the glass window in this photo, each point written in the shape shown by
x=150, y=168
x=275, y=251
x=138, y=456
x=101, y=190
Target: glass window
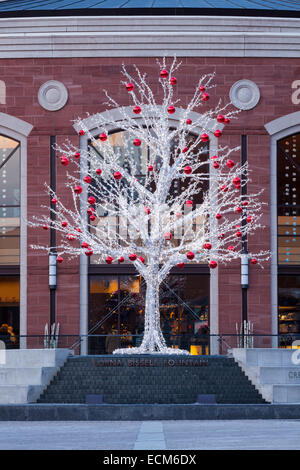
x=289, y=309
x=125, y=149
x=116, y=308
x=9, y=310
x=9, y=201
x=288, y=200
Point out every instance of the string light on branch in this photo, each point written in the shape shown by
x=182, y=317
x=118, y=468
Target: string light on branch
x=158, y=208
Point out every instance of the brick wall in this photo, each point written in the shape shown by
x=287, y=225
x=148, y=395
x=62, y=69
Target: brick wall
x=85, y=79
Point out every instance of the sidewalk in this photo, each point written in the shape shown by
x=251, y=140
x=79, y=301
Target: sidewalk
x=150, y=435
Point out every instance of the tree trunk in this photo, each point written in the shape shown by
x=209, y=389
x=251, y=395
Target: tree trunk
x=153, y=340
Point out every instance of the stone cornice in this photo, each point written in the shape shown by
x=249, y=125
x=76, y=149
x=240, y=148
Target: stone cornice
x=146, y=36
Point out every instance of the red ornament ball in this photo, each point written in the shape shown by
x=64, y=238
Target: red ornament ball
x=190, y=255
x=89, y=252
x=238, y=210
x=132, y=256
x=90, y=210
x=173, y=80
x=185, y=149
x=230, y=163
x=236, y=180
x=171, y=109
x=64, y=224
x=137, y=110
x=87, y=179
x=137, y=142
x=109, y=260
x=84, y=245
x=214, y=157
x=142, y=260
x=220, y=118
x=103, y=137
x=249, y=219
x=224, y=188
x=121, y=259
x=78, y=189
x=147, y=210
x=204, y=138
x=205, y=96
x=45, y=227
x=117, y=175
x=150, y=168
x=164, y=73
x=92, y=218
x=81, y=132
x=226, y=121
x=245, y=203
x=129, y=86
x=77, y=155
x=189, y=202
x=213, y=264
x=53, y=200
x=238, y=234
x=217, y=133
x=71, y=237
x=78, y=230
x=64, y=161
x=180, y=265
x=202, y=88
x=218, y=216
x=253, y=261
x=189, y=121
x=207, y=246
x=216, y=165
x=59, y=259
x=91, y=200
x=231, y=248
x=188, y=170
x=99, y=171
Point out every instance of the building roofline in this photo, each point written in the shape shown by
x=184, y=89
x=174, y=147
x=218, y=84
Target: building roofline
x=152, y=12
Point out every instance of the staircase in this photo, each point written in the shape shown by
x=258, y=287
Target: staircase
x=24, y=373
x=273, y=371
x=150, y=379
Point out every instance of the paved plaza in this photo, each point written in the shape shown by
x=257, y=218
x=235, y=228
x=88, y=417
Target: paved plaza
x=150, y=435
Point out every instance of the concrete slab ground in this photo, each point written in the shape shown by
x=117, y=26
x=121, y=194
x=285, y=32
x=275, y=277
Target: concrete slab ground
x=150, y=435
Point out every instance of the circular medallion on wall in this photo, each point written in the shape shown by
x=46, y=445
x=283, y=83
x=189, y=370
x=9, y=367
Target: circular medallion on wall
x=53, y=95
x=244, y=94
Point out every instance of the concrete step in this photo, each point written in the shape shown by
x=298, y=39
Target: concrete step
x=32, y=358
x=279, y=375
x=18, y=394
x=264, y=357
x=274, y=372
x=286, y=394
x=26, y=375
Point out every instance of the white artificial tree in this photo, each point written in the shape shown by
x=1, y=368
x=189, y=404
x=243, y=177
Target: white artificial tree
x=148, y=222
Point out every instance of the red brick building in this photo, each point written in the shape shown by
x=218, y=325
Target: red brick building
x=54, y=64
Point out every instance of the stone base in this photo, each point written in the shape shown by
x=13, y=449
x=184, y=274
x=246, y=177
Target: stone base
x=150, y=379
x=63, y=412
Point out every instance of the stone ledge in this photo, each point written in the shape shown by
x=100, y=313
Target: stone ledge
x=63, y=412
